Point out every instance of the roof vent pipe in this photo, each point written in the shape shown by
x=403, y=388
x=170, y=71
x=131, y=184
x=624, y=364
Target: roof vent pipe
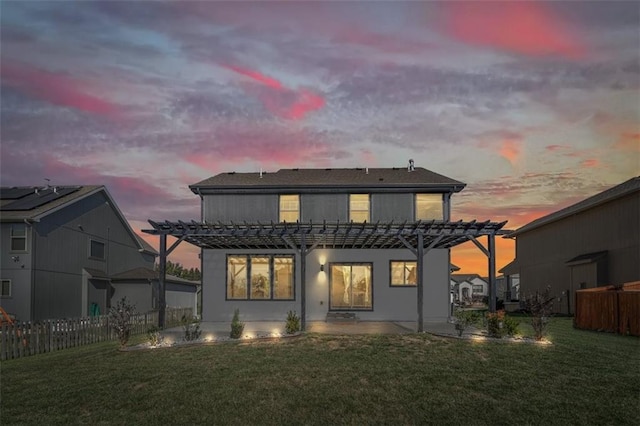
x=367, y=170
x=411, y=167
x=260, y=172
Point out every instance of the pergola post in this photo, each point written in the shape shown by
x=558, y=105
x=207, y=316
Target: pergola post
x=420, y=281
x=492, y=272
x=303, y=282
x=162, y=272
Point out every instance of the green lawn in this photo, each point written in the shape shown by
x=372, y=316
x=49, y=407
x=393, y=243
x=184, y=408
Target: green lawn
x=583, y=378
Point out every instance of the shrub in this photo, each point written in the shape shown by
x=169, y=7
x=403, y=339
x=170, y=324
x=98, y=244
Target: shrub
x=495, y=324
x=120, y=319
x=464, y=319
x=153, y=334
x=191, y=327
x=539, y=306
x=511, y=326
x=293, y=323
x=237, y=326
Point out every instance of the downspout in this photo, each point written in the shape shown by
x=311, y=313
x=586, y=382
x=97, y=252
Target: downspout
x=202, y=219
x=446, y=206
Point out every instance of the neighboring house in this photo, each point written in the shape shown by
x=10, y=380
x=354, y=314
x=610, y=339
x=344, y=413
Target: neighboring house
x=592, y=243
x=508, y=287
x=469, y=288
x=141, y=287
x=367, y=242
x=60, y=246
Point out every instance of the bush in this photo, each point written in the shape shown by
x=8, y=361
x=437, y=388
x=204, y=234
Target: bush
x=153, y=334
x=191, y=327
x=120, y=319
x=464, y=319
x=511, y=326
x=539, y=306
x=293, y=323
x=495, y=324
x=237, y=326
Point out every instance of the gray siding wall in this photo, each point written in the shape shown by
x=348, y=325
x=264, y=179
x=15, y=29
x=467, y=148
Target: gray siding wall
x=392, y=207
x=614, y=227
x=62, y=251
x=397, y=303
x=315, y=207
x=241, y=207
x=182, y=299
x=329, y=207
x=19, y=304
x=140, y=294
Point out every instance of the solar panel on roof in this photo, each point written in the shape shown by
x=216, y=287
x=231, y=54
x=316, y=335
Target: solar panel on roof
x=43, y=197
x=14, y=193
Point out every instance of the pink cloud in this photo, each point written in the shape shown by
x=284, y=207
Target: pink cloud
x=381, y=42
x=511, y=150
x=524, y=27
x=591, y=163
x=628, y=142
x=55, y=88
x=279, y=100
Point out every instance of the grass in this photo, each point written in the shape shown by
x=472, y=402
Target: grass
x=583, y=378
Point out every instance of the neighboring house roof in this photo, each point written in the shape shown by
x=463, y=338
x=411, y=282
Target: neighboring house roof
x=618, y=191
x=145, y=274
x=331, y=178
x=510, y=268
x=97, y=273
x=453, y=267
x=458, y=278
x=33, y=203
x=586, y=258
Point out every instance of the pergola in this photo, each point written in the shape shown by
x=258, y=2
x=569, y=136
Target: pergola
x=419, y=237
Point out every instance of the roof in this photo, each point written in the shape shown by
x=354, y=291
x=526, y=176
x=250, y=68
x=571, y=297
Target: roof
x=511, y=268
x=15, y=201
x=146, y=246
x=96, y=273
x=458, y=278
x=586, y=258
x=628, y=187
x=331, y=178
x=145, y=274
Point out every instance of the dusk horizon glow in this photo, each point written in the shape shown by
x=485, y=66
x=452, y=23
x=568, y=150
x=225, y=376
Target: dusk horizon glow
x=534, y=105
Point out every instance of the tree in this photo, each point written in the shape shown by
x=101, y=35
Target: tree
x=177, y=270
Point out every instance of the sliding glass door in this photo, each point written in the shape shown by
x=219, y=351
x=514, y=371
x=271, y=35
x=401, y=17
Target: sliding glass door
x=350, y=286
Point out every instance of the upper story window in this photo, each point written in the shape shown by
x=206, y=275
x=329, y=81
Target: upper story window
x=5, y=288
x=96, y=249
x=19, y=238
x=289, y=208
x=359, y=207
x=429, y=207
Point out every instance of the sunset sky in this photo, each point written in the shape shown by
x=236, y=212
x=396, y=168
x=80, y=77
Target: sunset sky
x=535, y=105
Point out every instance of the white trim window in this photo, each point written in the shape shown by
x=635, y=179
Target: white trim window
x=429, y=207
x=5, y=288
x=289, y=208
x=19, y=238
x=359, y=207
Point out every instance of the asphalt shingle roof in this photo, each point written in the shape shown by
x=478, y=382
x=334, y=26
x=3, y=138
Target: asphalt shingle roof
x=330, y=178
x=143, y=273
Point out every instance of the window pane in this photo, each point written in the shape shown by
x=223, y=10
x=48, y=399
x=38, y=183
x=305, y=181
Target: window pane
x=236, y=277
x=6, y=288
x=351, y=286
x=18, y=231
x=429, y=207
x=260, y=282
x=289, y=208
x=18, y=244
x=97, y=249
x=283, y=278
x=403, y=273
x=359, y=207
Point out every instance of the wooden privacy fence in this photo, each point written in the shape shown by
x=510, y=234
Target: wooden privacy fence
x=613, y=309
x=30, y=338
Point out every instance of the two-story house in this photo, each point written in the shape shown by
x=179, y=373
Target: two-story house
x=369, y=242
x=60, y=246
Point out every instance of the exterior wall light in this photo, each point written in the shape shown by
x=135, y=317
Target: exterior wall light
x=322, y=267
